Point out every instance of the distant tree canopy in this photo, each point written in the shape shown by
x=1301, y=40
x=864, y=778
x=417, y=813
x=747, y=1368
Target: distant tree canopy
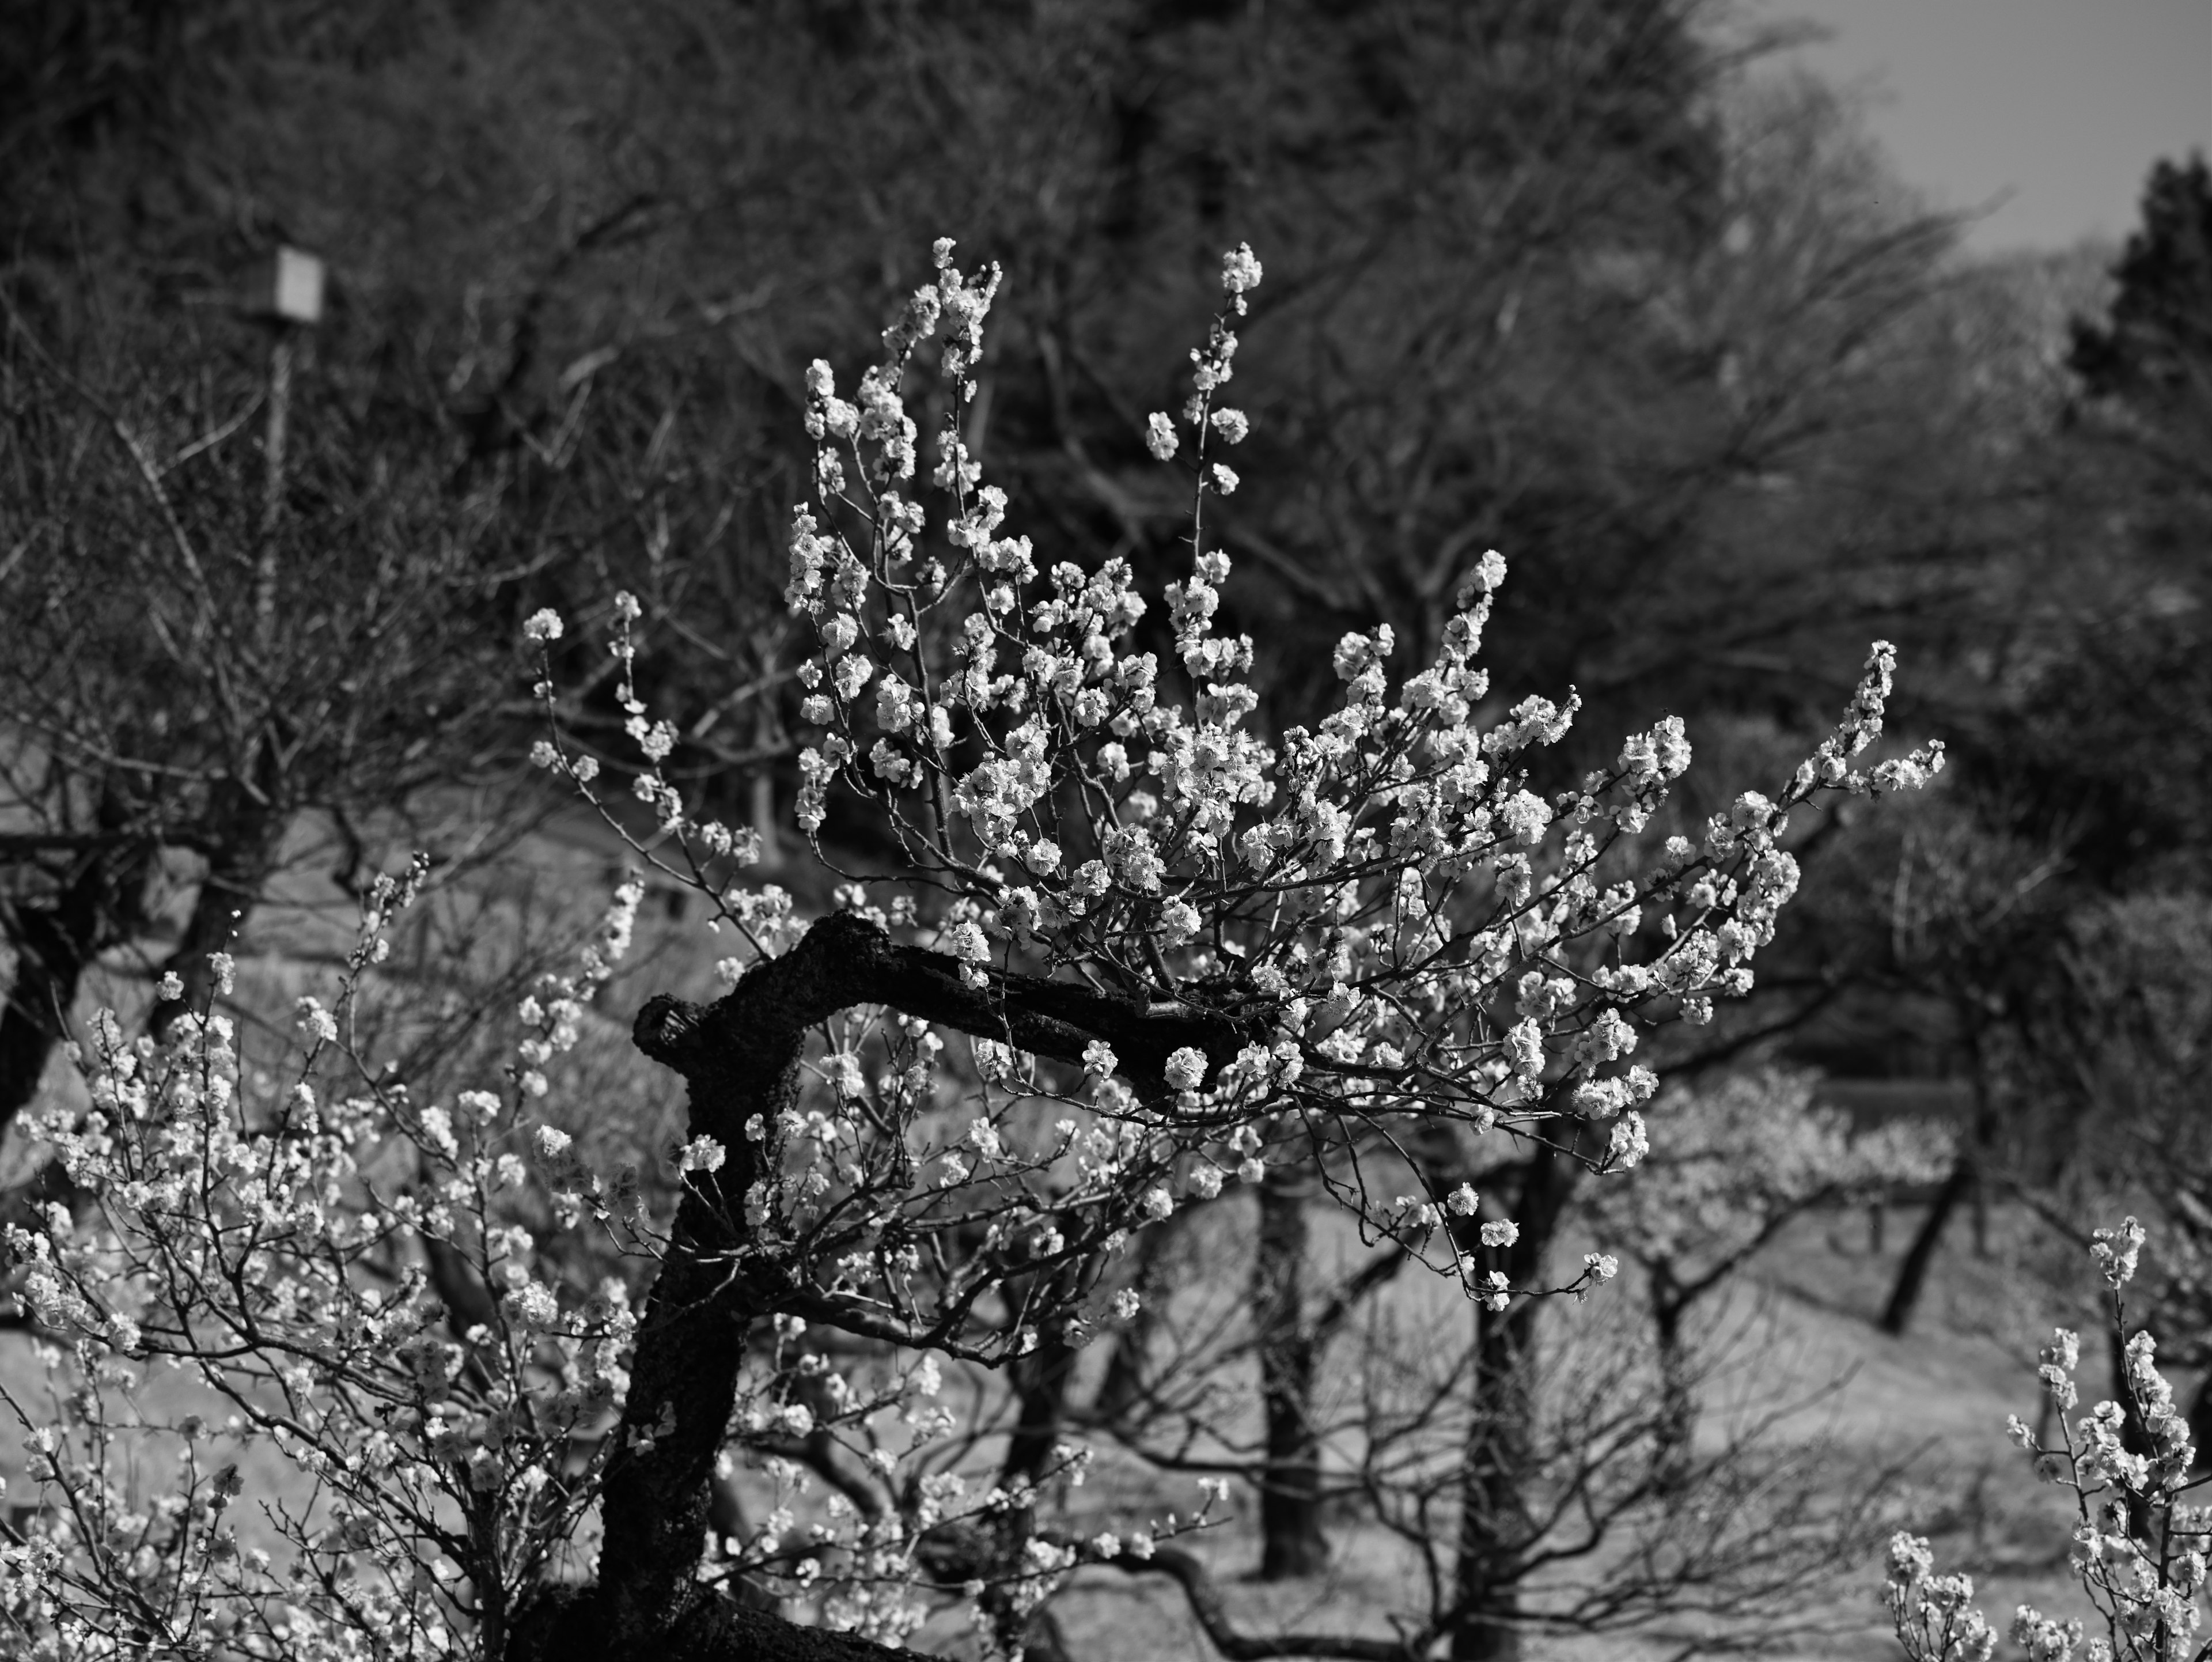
x=2155, y=349
x=1552, y=282
x=2108, y=729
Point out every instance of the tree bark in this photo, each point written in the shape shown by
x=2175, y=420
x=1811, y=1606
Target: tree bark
x=1292, y=1544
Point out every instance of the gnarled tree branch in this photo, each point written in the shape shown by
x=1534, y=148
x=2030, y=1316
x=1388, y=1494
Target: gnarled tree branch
x=740, y=1057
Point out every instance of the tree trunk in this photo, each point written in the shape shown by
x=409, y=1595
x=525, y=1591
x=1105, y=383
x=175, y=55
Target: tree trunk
x=740, y=1058
x=1040, y=1382
x=1494, y=1518
x=1675, y=1435
x=50, y=961
x=1123, y=1388
x=1965, y=1180
x=244, y=854
x=2200, y=1423
x=101, y=902
x=1912, y=1273
x=656, y=1495
x=2134, y=1435
x=1292, y=1544
x=1496, y=1526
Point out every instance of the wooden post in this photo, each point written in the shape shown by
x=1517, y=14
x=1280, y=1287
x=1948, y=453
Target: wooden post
x=294, y=301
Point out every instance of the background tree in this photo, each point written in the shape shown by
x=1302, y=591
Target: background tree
x=205, y=645
x=1748, y=1155
x=2080, y=723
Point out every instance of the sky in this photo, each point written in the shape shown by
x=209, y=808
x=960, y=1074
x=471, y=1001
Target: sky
x=2057, y=107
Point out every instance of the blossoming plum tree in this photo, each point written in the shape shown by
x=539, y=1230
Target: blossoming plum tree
x=1132, y=948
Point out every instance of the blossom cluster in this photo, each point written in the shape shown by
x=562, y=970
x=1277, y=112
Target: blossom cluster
x=1380, y=909
x=352, y=1277
x=2139, y=1551
x=383, y=1297
x=1343, y=927
x=1373, y=918
x=1393, y=918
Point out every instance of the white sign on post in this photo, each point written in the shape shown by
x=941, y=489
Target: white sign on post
x=297, y=295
